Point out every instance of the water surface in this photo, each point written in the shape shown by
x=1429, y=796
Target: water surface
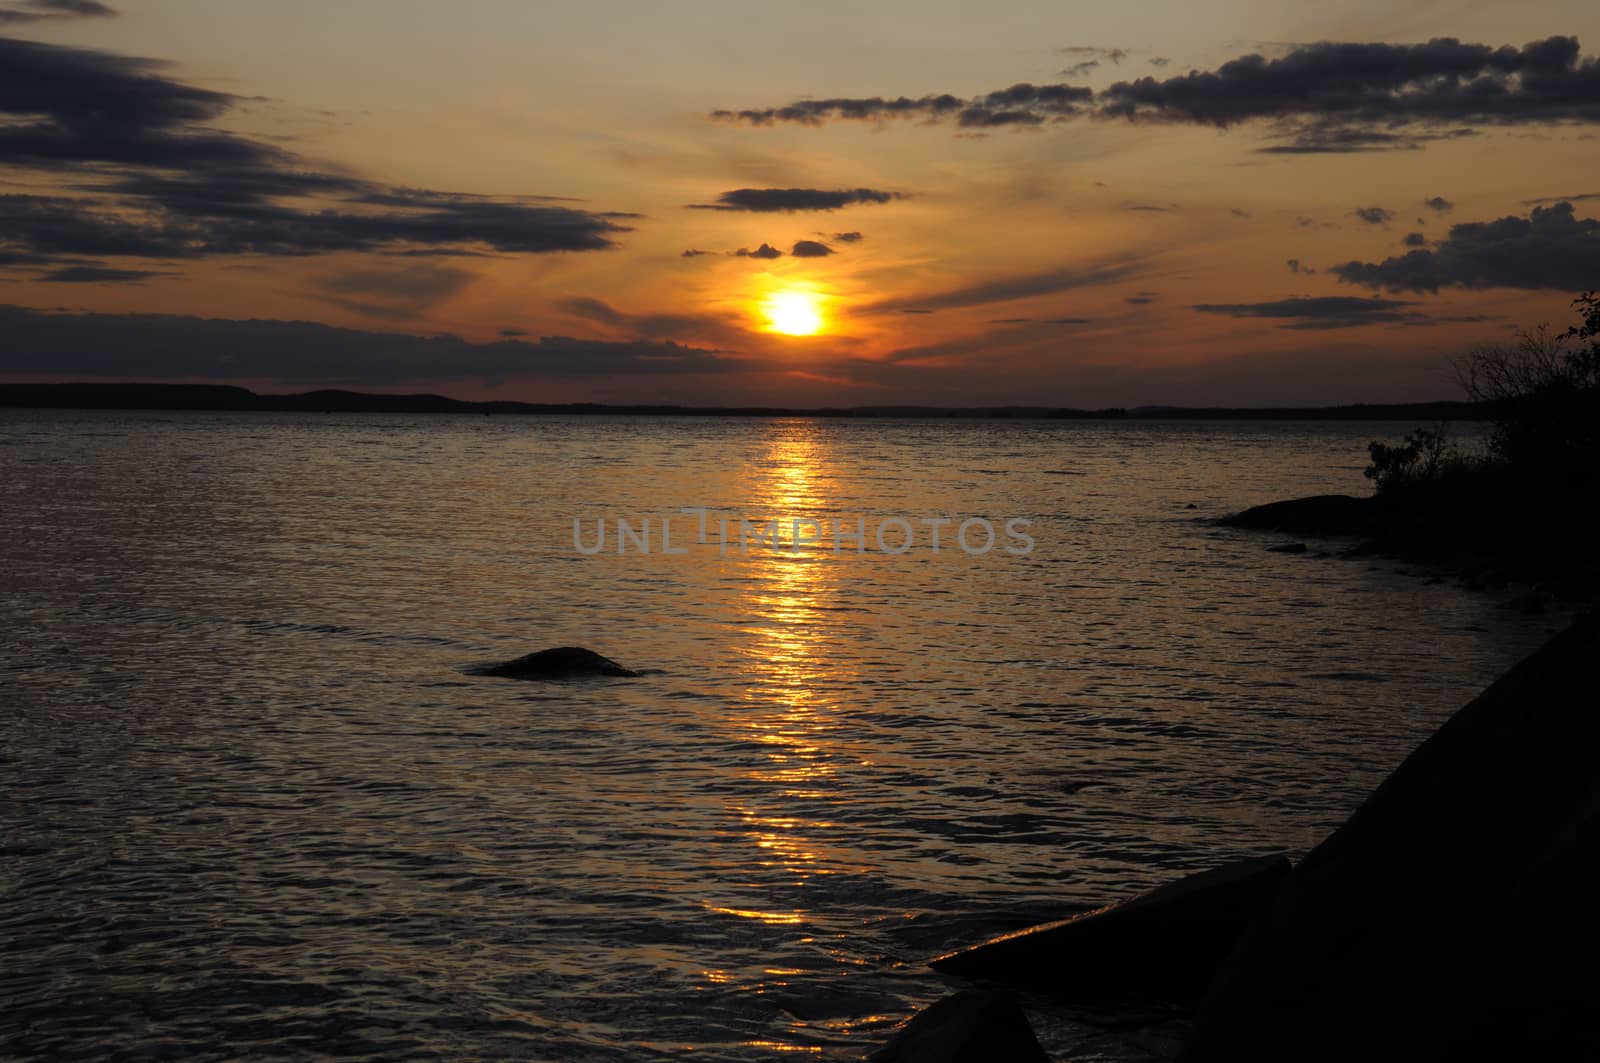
x=253, y=805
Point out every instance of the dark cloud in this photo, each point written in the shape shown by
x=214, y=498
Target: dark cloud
x=866, y=108
x=1090, y=58
x=1415, y=240
x=1439, y=205
x=810, y=249
x=1160, y=62
x=695, y=252
x=1022, y=104
x=1373, y=215
x=1237, y=213
x=1442, y=81
x=1547, y=200
x=99, y=275
x=1141, y=299
x=789, y=200
x=513, y=333
x=155, y=178
x=160, y=346
x=1315, y=98
x=1114, y=56
x=848, y=238
x=764, y=251
x=41, y=10
x=1295, y=267
x=1345, y=140
x=1551, y=248
x=1332, y=312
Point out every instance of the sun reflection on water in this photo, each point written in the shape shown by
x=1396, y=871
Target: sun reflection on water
x=790, y=708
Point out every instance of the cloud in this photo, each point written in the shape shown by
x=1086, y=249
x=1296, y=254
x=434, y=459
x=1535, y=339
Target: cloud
x=695, y=252
x=161, y=346
x=848, y=238
x=1090, y=58
x=1415, y=240
x=1115, y=56
x=1551, y=248
x=1332, y=312
x=1439, y=205
x=1007, y=289
x=1141, y=299
x=1023, y=104
x=1160, y=62
x=513, y=333
x=790, y=200
x=649, y=326
x=153, y=176
x=810, y=249
x=764, y=251
x=1373, y=215
x=99, y=275
x=401, y=294
x=1547, y=200
x=1325, y=97
x=1441, y=81
x=42, y=10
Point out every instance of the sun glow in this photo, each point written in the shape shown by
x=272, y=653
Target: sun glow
x=793, y=313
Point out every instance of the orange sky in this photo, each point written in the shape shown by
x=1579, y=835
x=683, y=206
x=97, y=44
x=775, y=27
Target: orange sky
x=1082, y=259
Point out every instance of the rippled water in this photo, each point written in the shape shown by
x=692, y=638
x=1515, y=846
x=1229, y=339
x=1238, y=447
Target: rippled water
x=253, y=805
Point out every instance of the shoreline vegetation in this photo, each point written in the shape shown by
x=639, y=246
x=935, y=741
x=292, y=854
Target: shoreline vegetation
x=224, y=398
x=1519, y=513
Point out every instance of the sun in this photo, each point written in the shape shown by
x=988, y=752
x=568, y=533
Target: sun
x=793, y=313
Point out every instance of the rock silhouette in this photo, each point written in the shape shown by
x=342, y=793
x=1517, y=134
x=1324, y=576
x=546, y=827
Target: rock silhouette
x=1166, y=944
x=1453, y=916
x=563, y=662
x=1317, y=515
x=971, y=1026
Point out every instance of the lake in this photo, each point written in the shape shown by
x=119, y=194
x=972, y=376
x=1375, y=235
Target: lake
x=254, y=802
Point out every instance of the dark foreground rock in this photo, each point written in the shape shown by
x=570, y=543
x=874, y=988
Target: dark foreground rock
x=969, y=1027
x=1317, y=515
x=564, y=662
x=1166, y=944
x=1456, y=915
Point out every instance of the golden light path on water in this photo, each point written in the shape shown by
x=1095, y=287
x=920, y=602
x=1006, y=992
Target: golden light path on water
x=791, y=707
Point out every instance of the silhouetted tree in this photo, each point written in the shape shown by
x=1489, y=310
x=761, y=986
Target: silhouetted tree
x=1543, y=392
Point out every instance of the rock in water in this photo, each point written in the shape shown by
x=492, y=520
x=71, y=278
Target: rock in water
x=1455, y=915
x=564, y=662
x=1165, y=944
x=968, y=1027
x=1317, y=515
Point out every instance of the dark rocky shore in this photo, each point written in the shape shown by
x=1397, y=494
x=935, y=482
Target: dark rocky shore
x=1538, y=566
x=1453, y=916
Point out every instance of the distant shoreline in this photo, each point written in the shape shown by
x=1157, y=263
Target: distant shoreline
x=222, y=398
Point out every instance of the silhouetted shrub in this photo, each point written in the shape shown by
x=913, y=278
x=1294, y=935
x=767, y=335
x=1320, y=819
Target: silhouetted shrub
x=1411, y=465
x=1543, y=393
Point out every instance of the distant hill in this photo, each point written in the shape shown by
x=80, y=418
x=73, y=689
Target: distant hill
x=140, y=396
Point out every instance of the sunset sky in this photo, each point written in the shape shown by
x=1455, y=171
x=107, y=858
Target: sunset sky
x=950, y=202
